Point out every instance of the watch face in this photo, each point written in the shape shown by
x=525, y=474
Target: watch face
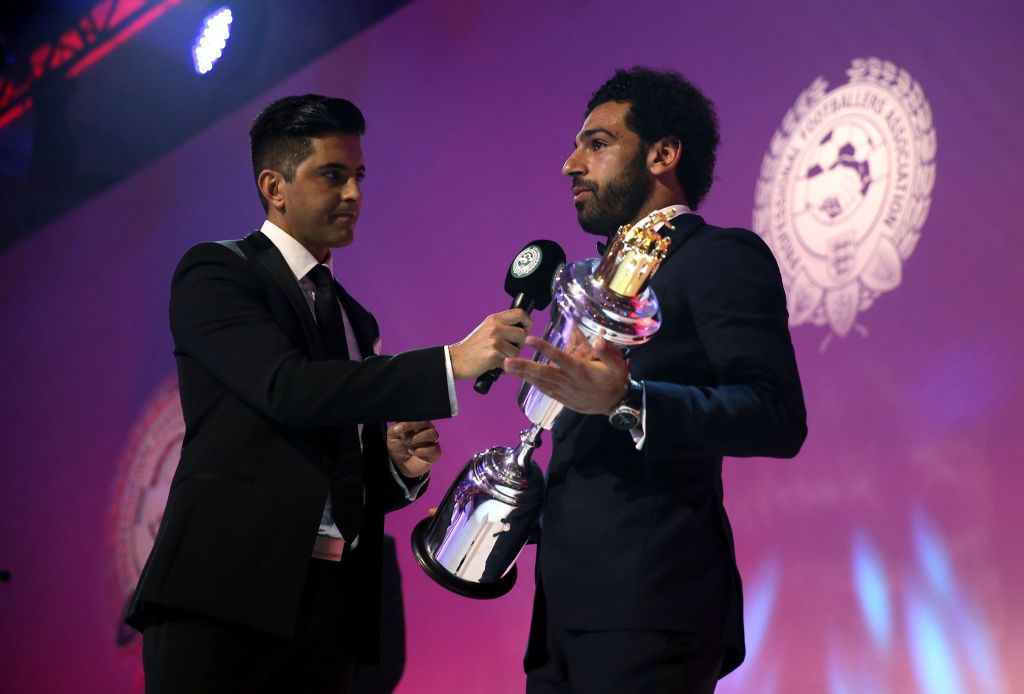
x=624, y=418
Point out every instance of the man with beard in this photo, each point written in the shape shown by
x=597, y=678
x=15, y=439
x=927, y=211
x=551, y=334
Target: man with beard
x=637, y=585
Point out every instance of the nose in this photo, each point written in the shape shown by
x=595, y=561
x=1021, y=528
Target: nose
x=352, y=192
x=573, y=166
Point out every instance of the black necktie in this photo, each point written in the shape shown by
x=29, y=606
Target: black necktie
x=328, y=313
x=347, y=472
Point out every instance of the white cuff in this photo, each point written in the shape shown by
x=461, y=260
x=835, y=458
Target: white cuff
x=411, y=493
x=453, y=402
x=640, y=433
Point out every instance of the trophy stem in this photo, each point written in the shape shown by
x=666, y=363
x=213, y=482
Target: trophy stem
x=529, y=439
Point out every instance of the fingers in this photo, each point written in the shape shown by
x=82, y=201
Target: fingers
x=415, y=434
x=589, y=380
x=543, y=376
x=609, y=354
x=411, y=428
x=414, y=446
x=549, y=380
x=425, y=437
x=577, y=341
x=553, y=354
x=510, y=330
x=511, y=336
x=429, y=453
x=514, y=316
x=500, y=335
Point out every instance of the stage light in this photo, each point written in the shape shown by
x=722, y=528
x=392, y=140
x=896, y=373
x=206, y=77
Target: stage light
x=211, y=39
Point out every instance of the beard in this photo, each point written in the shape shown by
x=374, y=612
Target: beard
x=617, y=202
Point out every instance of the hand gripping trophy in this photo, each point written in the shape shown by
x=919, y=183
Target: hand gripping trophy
x=471, y=544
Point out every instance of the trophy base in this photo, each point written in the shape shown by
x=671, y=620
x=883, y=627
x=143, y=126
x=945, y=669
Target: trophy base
x=441, y=575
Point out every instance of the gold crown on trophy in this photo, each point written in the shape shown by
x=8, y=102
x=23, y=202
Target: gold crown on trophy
x=633, y=256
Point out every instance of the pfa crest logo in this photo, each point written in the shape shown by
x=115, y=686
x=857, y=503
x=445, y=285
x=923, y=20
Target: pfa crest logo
x=141, y=492
x=844, y=190
x=527, y=261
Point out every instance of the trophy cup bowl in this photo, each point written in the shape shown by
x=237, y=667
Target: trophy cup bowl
x=471, y=544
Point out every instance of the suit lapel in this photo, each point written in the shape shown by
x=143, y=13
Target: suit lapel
x=271, y=259
x=362, y=321
x=684, y=226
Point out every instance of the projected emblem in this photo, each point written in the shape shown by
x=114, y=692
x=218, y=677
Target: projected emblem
x=145, y=477
x=844, y=190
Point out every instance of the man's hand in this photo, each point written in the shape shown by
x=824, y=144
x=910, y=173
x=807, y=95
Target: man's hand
x=587, y=379
x=500, y=335
x=414, y=447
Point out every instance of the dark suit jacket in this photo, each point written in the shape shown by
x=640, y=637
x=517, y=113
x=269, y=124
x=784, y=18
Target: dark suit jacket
x=640, y=539
x=266, y=420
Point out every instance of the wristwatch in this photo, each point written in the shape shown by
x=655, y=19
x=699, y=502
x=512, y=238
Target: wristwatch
x=626, y=415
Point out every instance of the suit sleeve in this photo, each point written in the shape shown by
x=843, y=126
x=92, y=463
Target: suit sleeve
x=220, y=317
x=398, y=493
x=755, y=407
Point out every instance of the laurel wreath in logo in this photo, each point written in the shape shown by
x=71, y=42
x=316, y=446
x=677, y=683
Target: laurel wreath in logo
x=866, y=251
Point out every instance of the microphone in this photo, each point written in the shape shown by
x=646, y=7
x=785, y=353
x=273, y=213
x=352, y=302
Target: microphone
x=529, y=282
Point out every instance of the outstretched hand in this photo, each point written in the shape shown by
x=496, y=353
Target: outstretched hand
x=590, y=379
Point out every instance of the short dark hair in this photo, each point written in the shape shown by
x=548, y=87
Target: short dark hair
x=664, y=103
x=279, y=138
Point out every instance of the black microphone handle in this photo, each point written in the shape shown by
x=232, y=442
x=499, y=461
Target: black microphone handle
x=485, y=380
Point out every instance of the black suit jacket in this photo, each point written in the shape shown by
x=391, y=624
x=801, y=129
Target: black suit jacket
x=640, y=539
x=264, y=417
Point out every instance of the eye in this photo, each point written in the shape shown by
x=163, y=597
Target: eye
x=332, y=175
x=598, y=144
x=360, y=176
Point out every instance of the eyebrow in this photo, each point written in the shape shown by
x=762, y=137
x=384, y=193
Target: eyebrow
x=338, y=165
x=588, y=134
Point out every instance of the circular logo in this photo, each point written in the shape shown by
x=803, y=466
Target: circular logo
x=141, y=492
x=844, y=190
x=527, y=261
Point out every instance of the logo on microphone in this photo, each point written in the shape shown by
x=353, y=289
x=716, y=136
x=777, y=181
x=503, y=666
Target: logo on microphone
x=844, y=190
x=526, y=262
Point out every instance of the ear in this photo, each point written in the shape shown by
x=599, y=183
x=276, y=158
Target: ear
x=664, y=155
x=271, y=185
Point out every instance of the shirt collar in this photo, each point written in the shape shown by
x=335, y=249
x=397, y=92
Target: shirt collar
x=300, y=261
x=669, y=212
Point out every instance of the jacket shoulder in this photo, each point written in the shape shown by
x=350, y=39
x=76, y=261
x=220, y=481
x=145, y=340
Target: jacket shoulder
x=709, y=248
x=708, y=236
x=225, y=253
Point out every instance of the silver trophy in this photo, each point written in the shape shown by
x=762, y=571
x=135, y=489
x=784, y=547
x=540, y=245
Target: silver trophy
x=470, y=545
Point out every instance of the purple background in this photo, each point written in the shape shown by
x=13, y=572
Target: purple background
x=886, y=557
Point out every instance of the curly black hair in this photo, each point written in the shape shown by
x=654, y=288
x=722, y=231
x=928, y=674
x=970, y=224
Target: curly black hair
x=279, y=138
x=664, y=103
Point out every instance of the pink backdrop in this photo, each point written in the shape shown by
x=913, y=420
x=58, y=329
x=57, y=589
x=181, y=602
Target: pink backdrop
x=885, y=558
